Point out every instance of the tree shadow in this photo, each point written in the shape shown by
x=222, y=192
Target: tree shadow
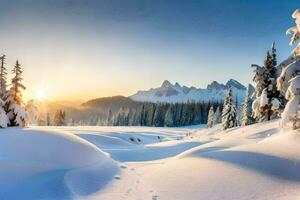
x=266, y=164
x=264, y=134
x=151, y=153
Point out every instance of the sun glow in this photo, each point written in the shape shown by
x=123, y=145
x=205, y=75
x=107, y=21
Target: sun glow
x=40, y=94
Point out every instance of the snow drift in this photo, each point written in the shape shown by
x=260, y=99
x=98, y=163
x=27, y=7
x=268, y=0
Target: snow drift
x=36, y=164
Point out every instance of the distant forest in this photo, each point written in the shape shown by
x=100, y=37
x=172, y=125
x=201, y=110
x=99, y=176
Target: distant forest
x=162, y=114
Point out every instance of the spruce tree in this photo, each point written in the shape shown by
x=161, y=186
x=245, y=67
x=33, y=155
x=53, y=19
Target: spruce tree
x=48, y=119
x=217, y=116
x=247, y=109
x=210, y=118
x=16, y=111
x=228, y=112
x=266, y=92
x=59, y=118
x=3, y=80
x=4, y=120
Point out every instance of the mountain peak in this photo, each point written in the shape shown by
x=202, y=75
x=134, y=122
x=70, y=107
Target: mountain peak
x=179, y=93
x=177, y=85
x=166, y=83
x=235, y=84
x=215, y=85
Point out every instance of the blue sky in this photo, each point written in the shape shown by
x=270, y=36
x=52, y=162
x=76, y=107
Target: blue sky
x=107, y=47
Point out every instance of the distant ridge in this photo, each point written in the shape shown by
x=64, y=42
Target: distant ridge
x=170, y=93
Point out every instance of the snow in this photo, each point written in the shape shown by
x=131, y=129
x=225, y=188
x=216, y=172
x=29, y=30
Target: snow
x=39, y=164
x=259, y=161
x=175, y=93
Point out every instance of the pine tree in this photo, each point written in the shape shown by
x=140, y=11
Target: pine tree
x=3, y=75
x=59, y=118
x=48, y=119
x=210, y=118
x=247, y=109
x=289, y=80
x=217, y=116
x=228, y=112
x=31, y=112
x=273, y=54
x=4, y=120
x=270, y=77
x=266, y=92
x=16, y=112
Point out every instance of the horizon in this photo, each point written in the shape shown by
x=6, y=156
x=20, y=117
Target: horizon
x=147, y=41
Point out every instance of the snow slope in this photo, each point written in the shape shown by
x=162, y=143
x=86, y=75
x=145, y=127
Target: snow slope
x=38, y=164
x=177, y=93
x=260, y=161
x=254, y=162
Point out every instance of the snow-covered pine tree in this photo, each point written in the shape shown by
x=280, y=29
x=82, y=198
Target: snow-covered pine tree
x=247, y=118
x=289, y=80
x=210, y=117
x=266, y=92
x=273, y=54
x=4, y=120
x=271, y=92
x=3, y=76
x=16, y=111
x=217, y=116
x=32, y=112
x=228, y=112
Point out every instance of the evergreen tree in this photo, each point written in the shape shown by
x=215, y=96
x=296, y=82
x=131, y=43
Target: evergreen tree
x=48, y=119
x=266, y=92
x=4, y=120
x=31, y=112
x=59, y=118
x=228, y=112
x=217, y=116
x=273, y=55
x=3, y=81
x=271, y=93
x=289, y=80
x=210, y=118
x=16, y=112
x=247, y=109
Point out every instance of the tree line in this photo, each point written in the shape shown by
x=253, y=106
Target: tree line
x=163, y=114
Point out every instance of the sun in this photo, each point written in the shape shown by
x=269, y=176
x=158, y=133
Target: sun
x=40, y=94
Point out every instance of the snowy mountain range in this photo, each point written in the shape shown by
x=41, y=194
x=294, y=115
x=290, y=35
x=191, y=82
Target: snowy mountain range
x=170, y=93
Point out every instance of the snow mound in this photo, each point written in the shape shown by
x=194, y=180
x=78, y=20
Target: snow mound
x=50, y=164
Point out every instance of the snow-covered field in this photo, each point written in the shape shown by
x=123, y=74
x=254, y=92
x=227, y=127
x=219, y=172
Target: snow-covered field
x=260, y=161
